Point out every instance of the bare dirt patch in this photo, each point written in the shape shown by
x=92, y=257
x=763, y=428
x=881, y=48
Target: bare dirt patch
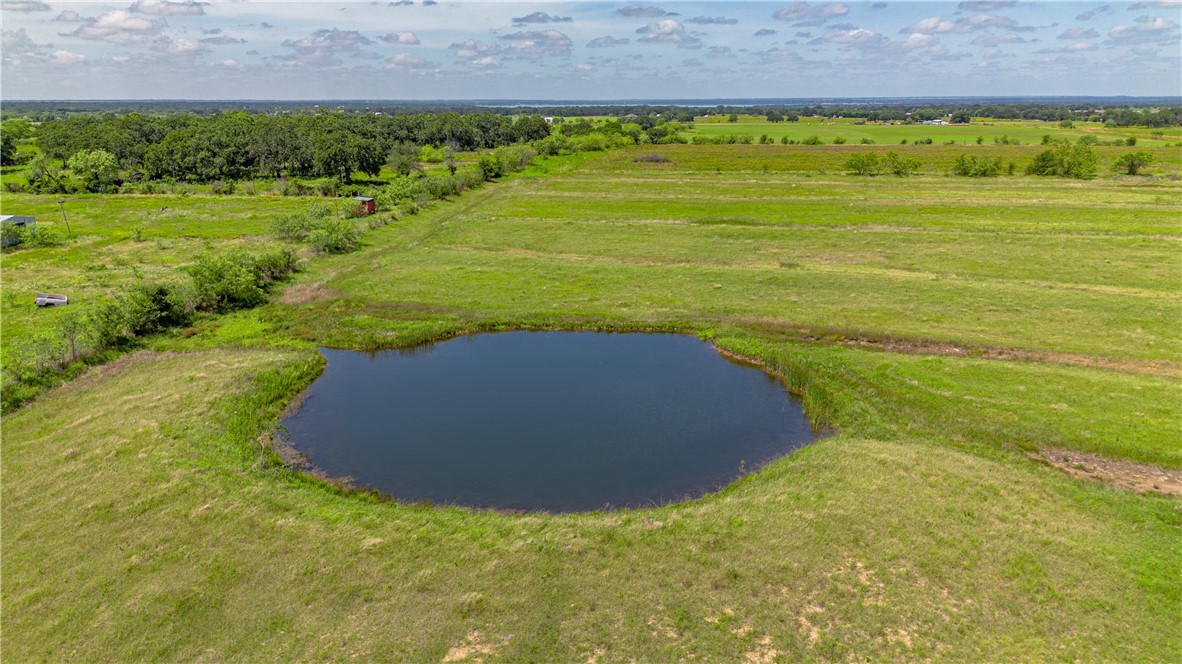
x=1122, y=474
x=306, y=293
x=473, y=649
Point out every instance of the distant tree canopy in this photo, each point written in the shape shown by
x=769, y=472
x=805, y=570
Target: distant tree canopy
x=238, y=145
x=7, y=150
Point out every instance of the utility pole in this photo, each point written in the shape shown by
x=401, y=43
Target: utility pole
x=61, y=204
x=173, y=218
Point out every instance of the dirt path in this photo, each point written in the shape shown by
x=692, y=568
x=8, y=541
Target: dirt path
x=1123, y=474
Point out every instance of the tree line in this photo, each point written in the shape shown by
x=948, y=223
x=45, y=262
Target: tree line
x=239, y=145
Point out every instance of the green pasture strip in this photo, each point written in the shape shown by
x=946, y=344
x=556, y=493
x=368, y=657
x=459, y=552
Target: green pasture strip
x=933, y=159
x=681, y=179
x=1027, y=132
x=482, y=285
x=1136, y=265
x=139, y=523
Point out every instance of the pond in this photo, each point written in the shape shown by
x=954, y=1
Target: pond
x=554, y=421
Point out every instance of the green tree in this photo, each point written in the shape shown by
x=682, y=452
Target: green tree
x=1131, y=163
x=901, y=166
x=44, y=176
x=7, y=149
x=17, y=128
x=98, y=169
x=775, y=116
x=403, y=158
x=732, y=118
x=530, y=128
x=1075, y=161
x=863, y=164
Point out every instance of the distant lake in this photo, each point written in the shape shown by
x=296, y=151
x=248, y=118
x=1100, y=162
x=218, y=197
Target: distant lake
x=554, y=421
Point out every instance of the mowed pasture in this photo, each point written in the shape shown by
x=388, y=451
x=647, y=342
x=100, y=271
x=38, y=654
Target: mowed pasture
x=1026, y=132
x=950, y=329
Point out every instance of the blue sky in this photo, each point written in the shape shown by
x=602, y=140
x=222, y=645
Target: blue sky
x=262, y=49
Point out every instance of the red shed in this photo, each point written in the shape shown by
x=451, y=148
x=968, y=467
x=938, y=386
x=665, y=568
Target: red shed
x=366, y=203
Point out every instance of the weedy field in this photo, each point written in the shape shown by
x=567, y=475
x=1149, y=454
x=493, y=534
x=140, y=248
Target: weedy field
x=951, y=329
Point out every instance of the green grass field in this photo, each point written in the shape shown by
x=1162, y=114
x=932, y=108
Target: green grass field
x=948, y=328
x=1027, y=132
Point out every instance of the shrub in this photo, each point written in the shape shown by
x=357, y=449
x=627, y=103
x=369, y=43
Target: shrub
x=297, y=225
x=38, y=236
x=226, y=282
x=863, y=164
x=867, y=141
x=901, y=166
x=431, y=154
x=491, y=167
x=811, y=140
x=1077, y=161
x=840, y=140
x=971, y=166
x=335, y=236
x=1131, y=163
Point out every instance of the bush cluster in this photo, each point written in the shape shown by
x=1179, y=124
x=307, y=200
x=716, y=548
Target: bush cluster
x=1074, y=161
x=977, y=167
x=234, y=280
x=870, y=163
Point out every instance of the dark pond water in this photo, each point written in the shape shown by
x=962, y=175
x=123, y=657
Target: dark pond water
x=556, y=421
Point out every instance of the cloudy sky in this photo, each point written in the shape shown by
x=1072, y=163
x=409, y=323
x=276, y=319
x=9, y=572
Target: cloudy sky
x=260, y=49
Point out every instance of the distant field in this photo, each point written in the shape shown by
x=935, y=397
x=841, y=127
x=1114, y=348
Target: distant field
x=1027, y=132
x=950, y=329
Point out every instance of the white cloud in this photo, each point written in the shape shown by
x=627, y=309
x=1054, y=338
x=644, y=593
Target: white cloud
x=717, y=20
x=605, y=42
x=167, y=8
x=646, y=12
x=1146, y=28
x=918, y=40
x=536, y=43
x=857, y=36
x=405, y=38
x=540, y=17
x=802, y=10
x=1077, y=47
x=24, y=6
x=221, y=40
x=323, y=46
x=936, y=25
x=119, y=27
x=407, y=61
x=667, y=31
x=67, y=57
x=990, y=40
